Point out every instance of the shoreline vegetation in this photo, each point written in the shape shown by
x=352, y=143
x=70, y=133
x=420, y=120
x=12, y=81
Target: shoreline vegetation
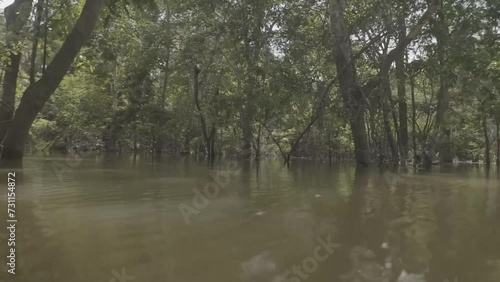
x=377, y=81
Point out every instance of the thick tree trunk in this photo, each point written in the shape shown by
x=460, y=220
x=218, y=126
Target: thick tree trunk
x=16, y=16
x=39, y=92
x=350, y=89
x=403, y=108
x=371, y=130
x=442, y=130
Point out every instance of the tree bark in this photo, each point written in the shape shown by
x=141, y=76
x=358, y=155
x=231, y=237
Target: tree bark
x=498, y=142
x=16, y=16
x=394, y=114
x=36, y=36
x=442, y=130
x=414, y=121
x=164, y=89
x=37, y=94
x=403, y=108
x=487, y=157
x=247, y=138
x=45, y=37
x=163, y=103
x=351, y=92
x=209, y=138
x=258, y=145
x=387, y=124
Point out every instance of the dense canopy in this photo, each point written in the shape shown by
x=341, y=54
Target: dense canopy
x=377, y=81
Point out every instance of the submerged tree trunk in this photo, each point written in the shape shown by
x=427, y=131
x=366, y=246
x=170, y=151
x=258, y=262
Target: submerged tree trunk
x=414, y=121
x=498, y=142
x=164, y=87
x=350, y=89
x=394, y=115
x=38, y=93
x=163, y=120
x=442, y=130
x=387, y=123
x=258, y=145
x=211, y=145
x=487, y=146
x=247, y=138
x=403, y=108
x=209, y=137
x=16, y=16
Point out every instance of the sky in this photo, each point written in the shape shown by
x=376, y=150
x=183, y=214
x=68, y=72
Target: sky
x=5, y=3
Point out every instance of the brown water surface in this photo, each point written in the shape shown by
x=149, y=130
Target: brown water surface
x=112, y=216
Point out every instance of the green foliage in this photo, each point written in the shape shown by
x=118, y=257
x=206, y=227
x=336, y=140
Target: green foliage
x=264, y=64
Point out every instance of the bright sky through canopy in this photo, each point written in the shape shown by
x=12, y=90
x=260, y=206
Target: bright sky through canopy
x=5, y=3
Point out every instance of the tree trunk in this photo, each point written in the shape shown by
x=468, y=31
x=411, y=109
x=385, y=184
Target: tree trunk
x=164, y=88
x=45, y=37
x=213, y=133
x=209, y=137
x=403, y=108
x=442, y=130
x=487, y=146
x=349, y=88
x=394, y=114
x=371, y=131
x=443, y=133
x=387, y=124
x=16, y=16
x=247, y=138
x=498, y=142
x=39, y=92
x=36, y=36
x=414, y=121
x=163, y=120
x=258, y=145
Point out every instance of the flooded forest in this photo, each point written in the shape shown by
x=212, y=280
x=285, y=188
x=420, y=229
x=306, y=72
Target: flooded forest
x=250, y=140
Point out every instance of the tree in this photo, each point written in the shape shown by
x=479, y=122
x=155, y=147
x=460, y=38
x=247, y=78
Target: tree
x=16, y=16
x=37, y=94
x=354, y=94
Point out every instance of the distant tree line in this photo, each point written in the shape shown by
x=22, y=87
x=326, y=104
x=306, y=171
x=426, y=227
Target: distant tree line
x=379, y=81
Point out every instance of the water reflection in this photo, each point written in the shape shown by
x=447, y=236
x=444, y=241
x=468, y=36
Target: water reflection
x=119, y=212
